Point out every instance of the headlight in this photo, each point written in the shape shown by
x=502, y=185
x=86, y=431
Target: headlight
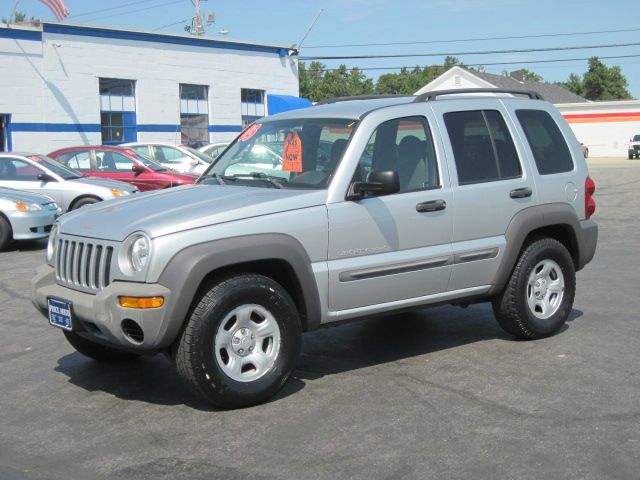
x=27, y=207
x=135, y=252
x=51, y=245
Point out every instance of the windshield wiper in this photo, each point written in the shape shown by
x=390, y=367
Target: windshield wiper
x=277, y=182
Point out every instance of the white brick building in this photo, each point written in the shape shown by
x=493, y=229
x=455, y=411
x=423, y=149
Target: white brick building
x=63, y=85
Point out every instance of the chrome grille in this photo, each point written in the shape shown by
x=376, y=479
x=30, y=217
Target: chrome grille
x=83, y=265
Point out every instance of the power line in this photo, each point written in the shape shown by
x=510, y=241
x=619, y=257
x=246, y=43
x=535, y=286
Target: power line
x=116, y=7
x=171, y=24
x=525, y=62
x=133, y=11
x=455, y=54
x=475, y=39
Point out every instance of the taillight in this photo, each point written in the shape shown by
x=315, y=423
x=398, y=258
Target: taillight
x=589, y=202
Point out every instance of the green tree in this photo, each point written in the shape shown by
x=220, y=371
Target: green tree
x=604, y=83
x=20, y=17
x=530, y=76
x=317, y=82
x=574, y=84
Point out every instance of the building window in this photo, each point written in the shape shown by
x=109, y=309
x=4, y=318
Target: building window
x=252, y=103
x=117, y=111
x=194, y=113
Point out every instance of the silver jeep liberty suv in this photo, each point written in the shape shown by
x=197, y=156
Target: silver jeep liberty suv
x=343, y=210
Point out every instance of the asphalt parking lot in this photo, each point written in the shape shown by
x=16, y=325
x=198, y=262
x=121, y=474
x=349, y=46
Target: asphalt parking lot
x=439, y=393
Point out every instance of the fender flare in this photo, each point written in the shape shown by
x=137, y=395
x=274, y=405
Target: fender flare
x=185, y=272
x=540, y=216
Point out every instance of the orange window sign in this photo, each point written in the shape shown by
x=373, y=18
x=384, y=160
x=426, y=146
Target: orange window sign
x=292, y=153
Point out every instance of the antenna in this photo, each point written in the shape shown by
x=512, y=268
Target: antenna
x=313, y=24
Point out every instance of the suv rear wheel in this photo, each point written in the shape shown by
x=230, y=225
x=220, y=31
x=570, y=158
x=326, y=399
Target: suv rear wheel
x=539, y=295
x=241, y=342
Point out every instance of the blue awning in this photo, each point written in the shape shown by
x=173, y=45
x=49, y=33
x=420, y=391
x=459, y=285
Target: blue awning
x=284, y=103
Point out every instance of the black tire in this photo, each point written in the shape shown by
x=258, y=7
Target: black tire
x=84, y=202
x=511, y=307
x=6, y=233
x=195, y=353
x=630, y=156
x=96, y=351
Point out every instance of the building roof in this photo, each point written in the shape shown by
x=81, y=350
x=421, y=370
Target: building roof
x=467, y=78
x=550, y=92
x=34, y=32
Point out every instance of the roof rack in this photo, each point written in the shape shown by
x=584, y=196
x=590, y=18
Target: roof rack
x=428, y=96
x=360, y=97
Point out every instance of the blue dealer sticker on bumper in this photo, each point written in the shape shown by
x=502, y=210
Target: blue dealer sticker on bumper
x=60, y=313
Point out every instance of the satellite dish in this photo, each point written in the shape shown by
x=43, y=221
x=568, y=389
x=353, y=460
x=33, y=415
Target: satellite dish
x=211, y=18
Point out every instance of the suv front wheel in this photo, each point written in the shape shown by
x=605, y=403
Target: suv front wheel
x=538, y=298
x=241, y=342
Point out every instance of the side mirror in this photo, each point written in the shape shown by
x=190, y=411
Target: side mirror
x=192, y=161
x=138, y=169
x=379, y=183
x=45, y=177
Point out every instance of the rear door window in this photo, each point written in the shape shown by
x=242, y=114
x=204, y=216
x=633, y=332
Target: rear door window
x=550, y=150
x=482, y=146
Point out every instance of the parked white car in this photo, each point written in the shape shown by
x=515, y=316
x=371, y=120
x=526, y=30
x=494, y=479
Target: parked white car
x=177, y=157
x=214, y=149
x=68, y=187
x=25, y=215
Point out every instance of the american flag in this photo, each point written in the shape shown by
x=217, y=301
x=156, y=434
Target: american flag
x=58, y=8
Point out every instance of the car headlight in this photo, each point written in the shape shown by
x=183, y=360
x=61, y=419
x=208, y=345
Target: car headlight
x=51, y=245
x=27, y=207
x=135, y=253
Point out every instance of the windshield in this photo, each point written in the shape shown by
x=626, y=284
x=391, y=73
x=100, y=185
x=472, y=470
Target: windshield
x=202, y=156
x=56, y=167
x=296, y=153
x=153, y=165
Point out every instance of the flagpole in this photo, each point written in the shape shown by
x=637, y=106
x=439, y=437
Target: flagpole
x=13, y=12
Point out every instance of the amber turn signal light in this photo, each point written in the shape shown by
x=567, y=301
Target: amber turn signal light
x=141, y=302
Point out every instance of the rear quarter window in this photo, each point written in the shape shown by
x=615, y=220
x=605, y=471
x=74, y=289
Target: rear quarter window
x=550, y=150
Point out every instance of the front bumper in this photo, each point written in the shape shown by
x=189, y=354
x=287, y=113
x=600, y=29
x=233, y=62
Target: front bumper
x=99, y=317
x=32, y=225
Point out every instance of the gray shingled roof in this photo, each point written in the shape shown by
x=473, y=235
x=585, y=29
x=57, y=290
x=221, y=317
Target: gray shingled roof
x=551, y=93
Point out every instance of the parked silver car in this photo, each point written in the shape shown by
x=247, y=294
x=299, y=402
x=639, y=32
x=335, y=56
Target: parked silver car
x=25, y=216
x=177, y=157
x=214, y=149
x=68, y=187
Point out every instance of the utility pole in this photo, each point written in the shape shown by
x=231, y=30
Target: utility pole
x=196, y=25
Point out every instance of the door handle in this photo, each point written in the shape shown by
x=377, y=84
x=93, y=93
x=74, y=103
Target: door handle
x=521, y=192
x=432, y=206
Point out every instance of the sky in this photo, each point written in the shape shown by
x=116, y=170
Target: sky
x=444, y=23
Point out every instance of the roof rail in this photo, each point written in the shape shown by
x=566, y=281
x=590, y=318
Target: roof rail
x=428, y=96
x=360, y=97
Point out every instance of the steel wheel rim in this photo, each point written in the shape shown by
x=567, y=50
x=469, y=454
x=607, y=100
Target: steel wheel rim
x=247, y=343
x=545, y=289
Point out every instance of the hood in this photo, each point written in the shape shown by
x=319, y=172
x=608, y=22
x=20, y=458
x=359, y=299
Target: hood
x=162, y=212
x=176, y=177
x=105, y=182
x=14, y=195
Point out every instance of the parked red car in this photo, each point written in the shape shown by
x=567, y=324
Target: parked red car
x=121, y=164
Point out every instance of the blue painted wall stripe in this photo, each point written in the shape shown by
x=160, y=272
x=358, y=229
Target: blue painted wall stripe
x=95, y=127
x=157, y=38
x=56, y=127
x=20, y=34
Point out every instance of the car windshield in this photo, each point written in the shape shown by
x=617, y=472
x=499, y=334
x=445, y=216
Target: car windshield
x=295, y=153
x=153, y=165
x=202, y=156
x=56, y=167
